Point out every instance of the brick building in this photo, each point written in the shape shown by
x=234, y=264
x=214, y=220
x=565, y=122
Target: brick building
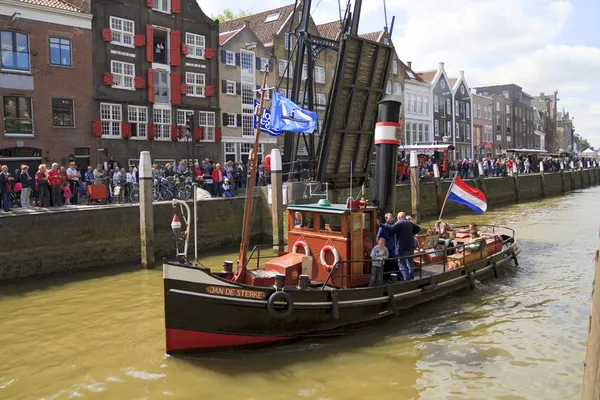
x=45, y=83
x=155, y=63
x=483, y=132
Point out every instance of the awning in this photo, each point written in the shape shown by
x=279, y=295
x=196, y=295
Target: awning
x=526, y=151
x=427, y=147
x=488, y=145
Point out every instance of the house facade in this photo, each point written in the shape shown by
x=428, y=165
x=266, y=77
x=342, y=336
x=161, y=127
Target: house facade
x=155, y=64
x=45, y=84
x=483, y=132
x=418, y=108
x=243, y=59
x=546, y=105
x=538, y=129
x=463, y=121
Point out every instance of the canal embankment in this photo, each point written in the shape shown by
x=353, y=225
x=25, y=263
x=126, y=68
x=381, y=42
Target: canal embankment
x=52, y=241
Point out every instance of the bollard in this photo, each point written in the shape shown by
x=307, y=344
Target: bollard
x=146, y=211
x=480, y=166
x=277, y=201
x=436, y=171
x=303, y=282
x=279, y=281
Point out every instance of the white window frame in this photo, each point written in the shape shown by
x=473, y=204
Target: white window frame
x=456, y=108
x=230, y=85
x=320, y=100
x=449, y=128
x=197, y=46
x=194, y=88
x=133, y=117
x=436, y=106
x=436, y=127
x=288, y=40
x=426, y=105
x=420, y=105
x=182, y=121
x=449, y=106
x=467, y=110
x=230, y=58
x=320, y=75
x=282, y=65
x=395, y=67
x=228, y=152
x=115, y=131
x=204, y=120
x=127, y=81
x=397, y=88
x=160, y=124
x=507, y=109
x=229, y=120
x=264, y=61
x=122, y=33
x=166, y=2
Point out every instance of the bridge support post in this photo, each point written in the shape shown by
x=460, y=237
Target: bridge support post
x=591, y=366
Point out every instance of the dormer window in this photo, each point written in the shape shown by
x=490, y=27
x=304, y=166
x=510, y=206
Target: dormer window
x=270, y=17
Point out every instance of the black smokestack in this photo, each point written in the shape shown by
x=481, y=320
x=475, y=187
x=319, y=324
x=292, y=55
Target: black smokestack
x=387, y=140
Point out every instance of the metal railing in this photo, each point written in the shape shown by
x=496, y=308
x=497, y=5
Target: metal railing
x=257, y=249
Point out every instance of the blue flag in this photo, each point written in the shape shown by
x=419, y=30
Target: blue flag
x=288, y=116
x=265, y=122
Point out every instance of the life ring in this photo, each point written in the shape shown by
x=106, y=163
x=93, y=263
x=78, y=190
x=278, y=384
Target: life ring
x=336, y=257
x=302, y=243
x=280, y=296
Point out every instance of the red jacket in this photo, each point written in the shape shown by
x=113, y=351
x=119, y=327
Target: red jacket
x=217, y=175
x=54, y=177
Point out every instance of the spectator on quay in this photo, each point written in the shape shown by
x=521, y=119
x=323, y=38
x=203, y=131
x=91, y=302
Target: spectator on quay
x=55, y=182
x=88, y=179
x=26, y=186
x=527, y=165
x=197, y=171
x=206, y=170
x=73, y=177
x=181, y=168
x=41, y=180
x=67, y=194
x=227, y=189
x=168, y=170
x=217, y=175
x=131, y=180
x=99, y=176
x=241, y=172
x=5, y=181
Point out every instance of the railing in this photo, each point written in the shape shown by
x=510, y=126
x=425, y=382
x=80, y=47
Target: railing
x=257, y=249
x=446, y=252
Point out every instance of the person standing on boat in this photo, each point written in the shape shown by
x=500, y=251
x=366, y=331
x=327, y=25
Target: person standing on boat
x=404, y=232
x=379, y=254
x=390, y=265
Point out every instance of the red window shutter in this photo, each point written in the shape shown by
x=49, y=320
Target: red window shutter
x=175, y=88
x=174, y=132
x=150, y=85
x=97, y=128
x=184, y=49
x=218, y=134
x=175, y=6
x=198, y=133
x=125, y=130
x=107, y=34
x=149, y=3
x=209, y=53
x=149, y=43
x=108, y=79
x=150, y=131
x=184, y=88
x=175, y=38
x=209, y=91
x=140, y=82
x=139, y=40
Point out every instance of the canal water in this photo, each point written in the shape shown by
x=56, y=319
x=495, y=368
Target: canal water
x=100, y=335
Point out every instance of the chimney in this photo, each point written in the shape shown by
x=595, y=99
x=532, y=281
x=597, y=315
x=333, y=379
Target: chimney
x=441, y=66
x=409, y=63
x=462, y=74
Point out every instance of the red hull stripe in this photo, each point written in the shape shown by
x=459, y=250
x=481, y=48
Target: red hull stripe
x=388, y=124
x=388, y=141
x=179, y=339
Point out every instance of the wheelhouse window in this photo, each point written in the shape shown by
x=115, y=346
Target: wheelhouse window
x=303, y=220
x=17, y=115
x=206, y=119
x=123, y=75
x=138, y=119
x=15, y=51
x=63, y=113
x=196, y=45
x=60, y=51
x=195, y=83
x=111, y=117
x=162, y=123
x=330, y=223
x=123, y=31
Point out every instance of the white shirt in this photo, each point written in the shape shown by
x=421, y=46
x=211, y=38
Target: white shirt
x=72, y=171
x=130, y=177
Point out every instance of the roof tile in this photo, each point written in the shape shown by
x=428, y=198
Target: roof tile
x=263, y=30
x=374, y=36
x=60, y=4
x=427, y=76
x=330, y=30
x=225, y=36
x=407, y=76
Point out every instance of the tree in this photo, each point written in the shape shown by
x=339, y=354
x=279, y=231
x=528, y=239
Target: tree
x=227, y=15
x=584, y=145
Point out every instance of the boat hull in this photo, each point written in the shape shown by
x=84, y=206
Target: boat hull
x=204, y=312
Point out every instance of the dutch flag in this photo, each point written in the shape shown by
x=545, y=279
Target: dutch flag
x=462, y=193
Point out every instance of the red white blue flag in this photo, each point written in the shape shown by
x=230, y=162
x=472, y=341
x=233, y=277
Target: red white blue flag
x=462, y=193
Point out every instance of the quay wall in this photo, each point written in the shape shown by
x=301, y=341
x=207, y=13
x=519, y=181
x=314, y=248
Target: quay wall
x=51, y=241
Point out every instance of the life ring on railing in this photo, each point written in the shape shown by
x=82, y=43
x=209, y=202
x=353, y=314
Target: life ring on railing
x=303, y=244
x=278, y=297
x=336, y=257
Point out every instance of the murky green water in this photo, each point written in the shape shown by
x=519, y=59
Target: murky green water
x=100, y=335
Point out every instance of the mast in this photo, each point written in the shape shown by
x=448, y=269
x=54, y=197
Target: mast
x=241, y=270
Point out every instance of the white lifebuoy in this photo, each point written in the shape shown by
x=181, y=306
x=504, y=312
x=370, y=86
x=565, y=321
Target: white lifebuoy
x=303, y=244
x=336, y=257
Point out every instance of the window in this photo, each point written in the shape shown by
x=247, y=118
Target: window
x=467, y=110
x=195, y=84
x=232, y=120
x=247, y=62
x=426, y=105
x=123, y=31
x=248, y=96
x=230, y=88
x=138, y=119
x=420, y=134
x=426, y=133
x=508, y=124
x=15, y=50
x=288, y=41
x=60, y=51
x=414, y=103
x=497, y=107
x=320, y=99
x=162, y=123
x=111, y=117
x=449, y=106
x=230, y=152
x=449, y=128
x=507, y=109
x=206, y=119
x=435, y=104
x=420, y=109
x=182, y=116
x=320, y=75
x=457, y=129
x=161, y=87
x=468, y=131
x=456, y=108
x=395, y=67
x=62, y=113
x=123, y=75
x=229, y=58
x=196, y=45
x=285, y=69
x=264, y=62
x=162, y=5
x=272, y=18
x=436, y=127
x=17, y=115
x=397, y=88
x=388, y=88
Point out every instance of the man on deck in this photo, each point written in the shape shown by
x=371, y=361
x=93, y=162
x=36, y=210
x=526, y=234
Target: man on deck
x=389, y=265
x=404, y=232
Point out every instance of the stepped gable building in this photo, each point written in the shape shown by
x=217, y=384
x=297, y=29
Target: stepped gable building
x=155, y=64
x=463, y=122
x=45, y=83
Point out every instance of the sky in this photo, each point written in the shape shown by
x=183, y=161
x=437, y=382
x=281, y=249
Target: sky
x=540, y=45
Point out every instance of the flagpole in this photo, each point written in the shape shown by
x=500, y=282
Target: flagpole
x=447, y=194
x=241, y=270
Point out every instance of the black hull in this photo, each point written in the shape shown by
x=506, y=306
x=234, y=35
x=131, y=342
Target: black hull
x=197, y=319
